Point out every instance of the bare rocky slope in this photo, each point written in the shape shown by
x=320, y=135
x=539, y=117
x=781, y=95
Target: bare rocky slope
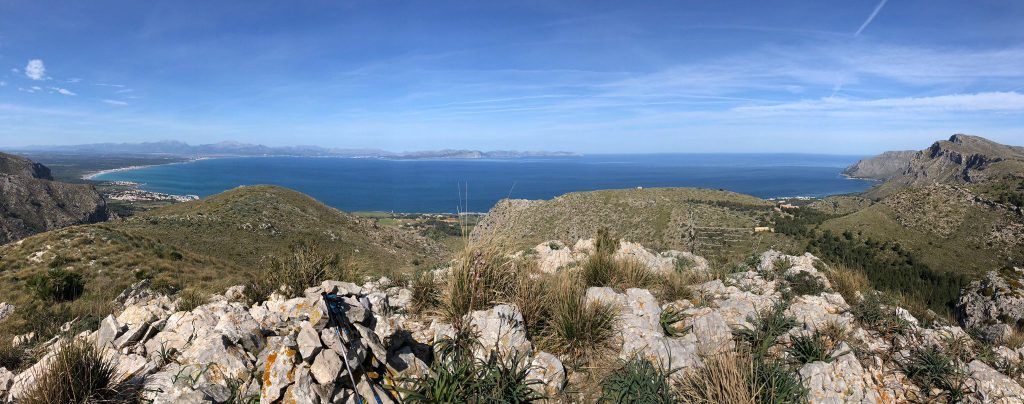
x=882, y=166
x=836, y=344
x=31, y=202
x=960, y=160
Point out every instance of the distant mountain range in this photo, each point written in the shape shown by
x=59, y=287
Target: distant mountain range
x=229, y=148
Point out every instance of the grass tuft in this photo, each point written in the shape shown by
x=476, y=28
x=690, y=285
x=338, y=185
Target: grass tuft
x=874, y=315
x=929, y=368
x=79, y=374
x=638, y=381
x=189, y=299
x=576, y=328
x=765, y=329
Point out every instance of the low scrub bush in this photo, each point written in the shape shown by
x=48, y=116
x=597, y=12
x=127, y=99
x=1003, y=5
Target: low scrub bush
x=58, y=285
x=638, y=381
x=765, y=329
x=79, y=374
x=576, y=327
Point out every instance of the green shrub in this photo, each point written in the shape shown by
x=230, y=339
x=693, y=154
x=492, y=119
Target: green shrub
x=79, y=374
x=575, y=327
x=638, y=381
x=57, y=285
x=781, y=264
x=765, y=329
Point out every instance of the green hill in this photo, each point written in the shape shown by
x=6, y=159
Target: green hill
x=718, y=224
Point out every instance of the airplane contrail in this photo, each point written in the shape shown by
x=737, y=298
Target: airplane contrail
x=870, y=17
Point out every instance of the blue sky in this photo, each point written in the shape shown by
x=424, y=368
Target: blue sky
x=846, y=76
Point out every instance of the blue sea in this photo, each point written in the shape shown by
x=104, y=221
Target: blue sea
x=353, y=184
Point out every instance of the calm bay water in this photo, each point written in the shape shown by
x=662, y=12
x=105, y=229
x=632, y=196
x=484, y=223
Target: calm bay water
x=433, y=185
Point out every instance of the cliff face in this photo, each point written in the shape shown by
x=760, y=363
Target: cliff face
x=31, y=202
x=882, y=166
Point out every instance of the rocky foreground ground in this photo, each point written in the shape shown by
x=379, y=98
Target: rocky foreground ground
x=288, y=350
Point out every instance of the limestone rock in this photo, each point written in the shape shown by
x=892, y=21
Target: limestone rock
x=994, y=304
x=501, y=329
x=992, y=386
x=843, y=380
x=326, y=366
x=549, y=371
x=5, y=310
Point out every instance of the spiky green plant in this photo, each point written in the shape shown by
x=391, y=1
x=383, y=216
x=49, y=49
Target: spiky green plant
x=638, y=381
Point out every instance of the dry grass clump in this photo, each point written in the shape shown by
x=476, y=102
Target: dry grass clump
x=12, y=357
x=576, y=328
x=599, y=270
x=304, y=267
x=724, y=378
x=79, y=374
x=426, y=291
x=480, y=277
x=848, y=282
x=189, y=299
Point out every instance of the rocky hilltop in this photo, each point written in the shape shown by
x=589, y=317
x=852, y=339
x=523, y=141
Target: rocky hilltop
x=782, y=328
x=962, y=159
x=31, y=202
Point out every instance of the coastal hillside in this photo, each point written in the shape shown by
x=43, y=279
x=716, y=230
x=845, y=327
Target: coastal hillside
x=32, y=202
x=956, y=205
x=988, y=167
x=719, y=223
x=236, y=237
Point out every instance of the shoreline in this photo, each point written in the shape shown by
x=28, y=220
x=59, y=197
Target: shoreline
x=91, y=176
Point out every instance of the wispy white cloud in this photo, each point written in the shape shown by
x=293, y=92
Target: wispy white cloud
x=985, y=101
x=115, y=102
x=35, y=69
x=871, y=17
x=62, y=91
